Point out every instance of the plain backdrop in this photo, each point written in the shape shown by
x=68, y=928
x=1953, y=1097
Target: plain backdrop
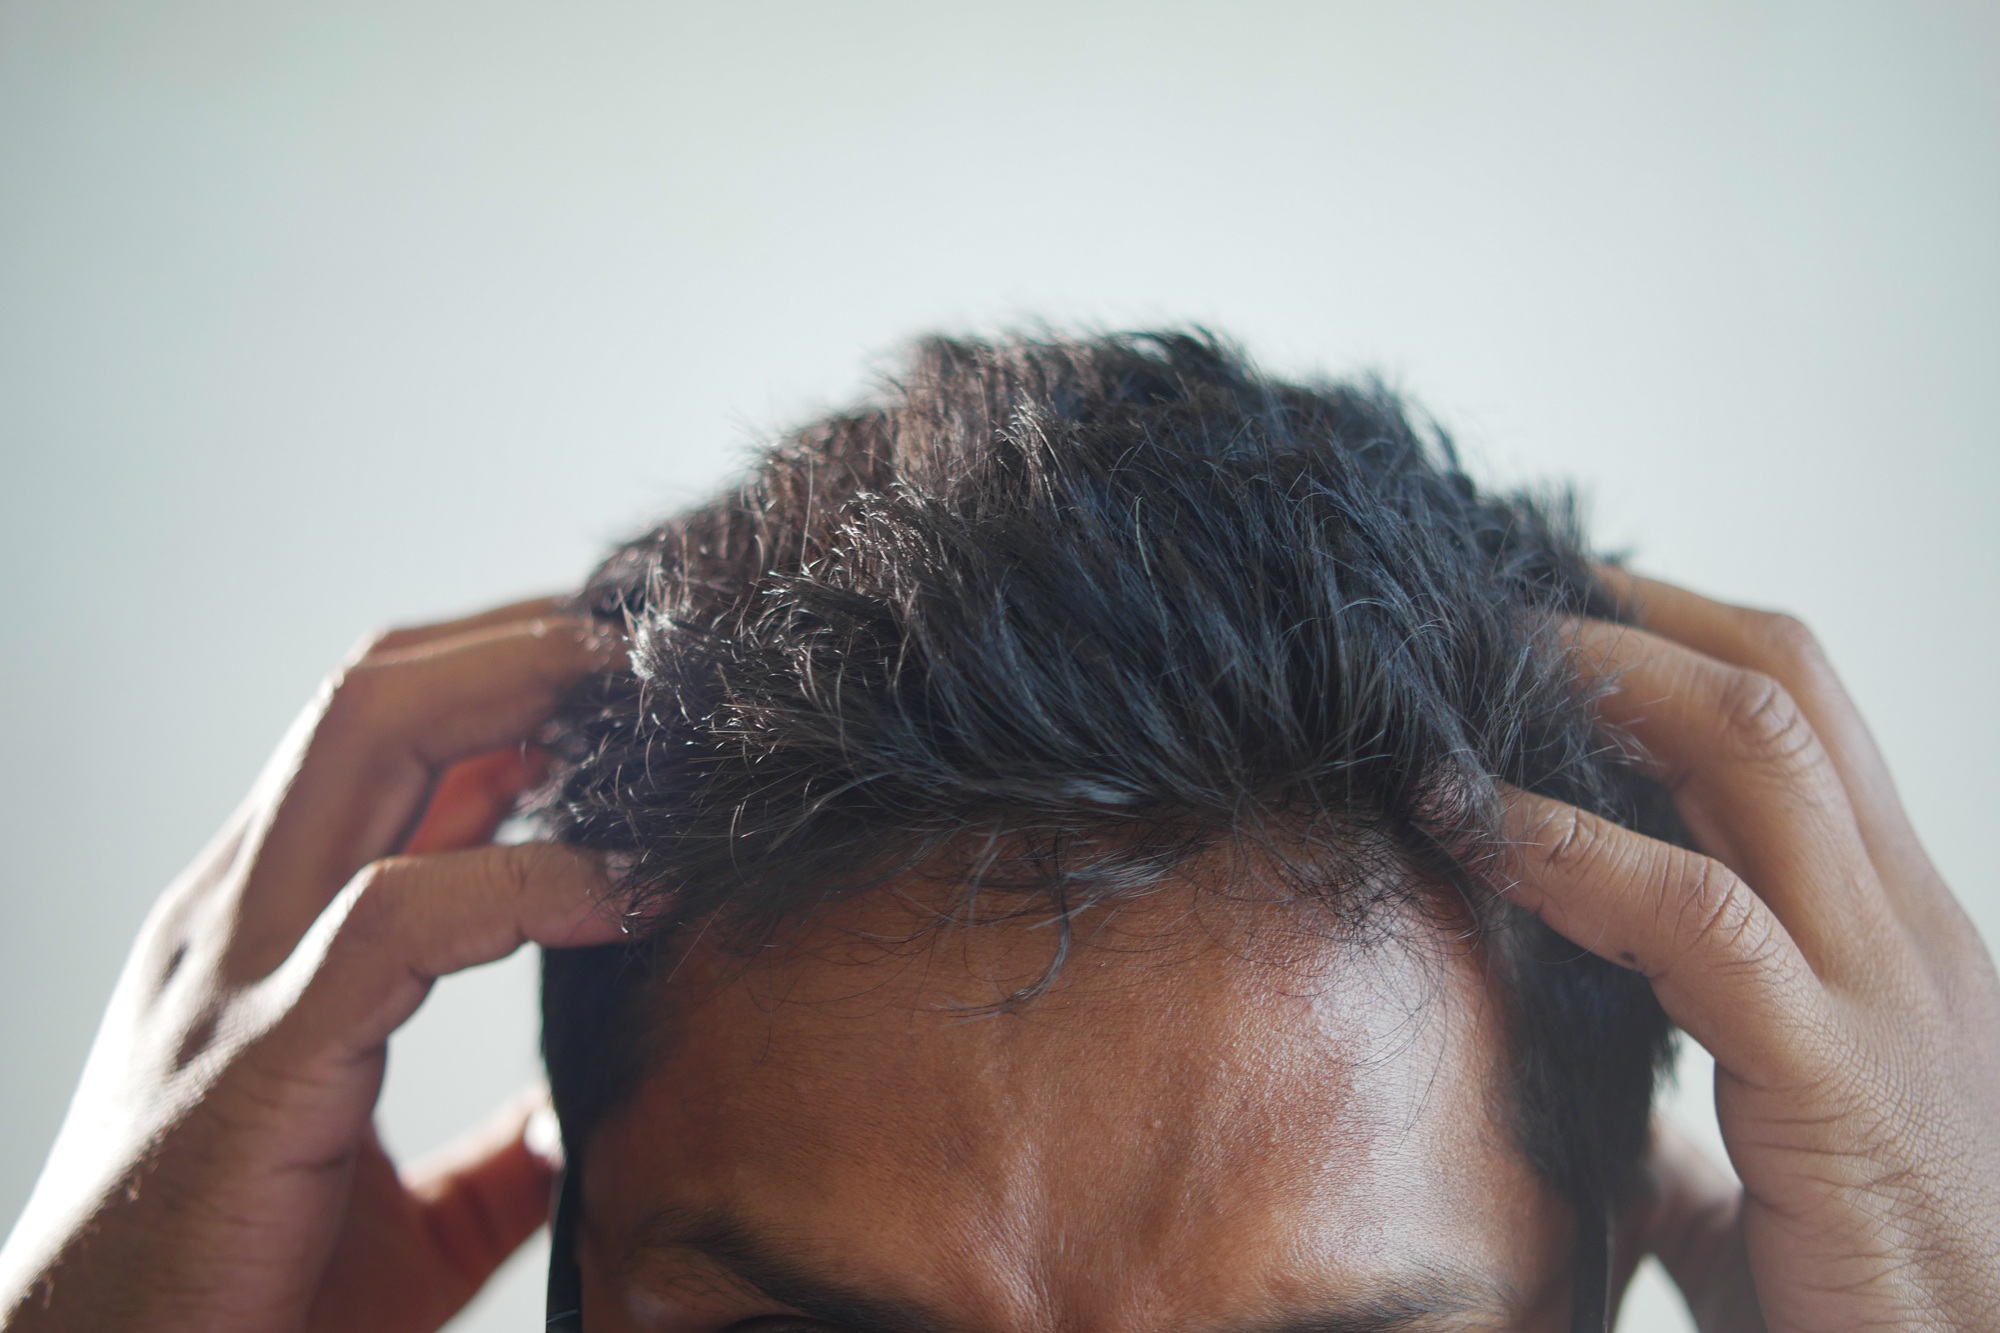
x=319, y=317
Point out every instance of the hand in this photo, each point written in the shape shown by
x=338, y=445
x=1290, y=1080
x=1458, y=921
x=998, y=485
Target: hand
x=218, y=1170
x=1814, y=951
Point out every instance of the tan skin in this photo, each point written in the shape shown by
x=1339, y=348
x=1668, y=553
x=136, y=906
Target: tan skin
x=1217, y=1120
x=219, y=1170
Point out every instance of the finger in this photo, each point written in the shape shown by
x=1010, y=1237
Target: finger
x=395, y=640
x=368, y=762
x=473, y=797
x=416, y=1246
x=1751, y=781
x=404, y=922
x=1723, y=966
x=486, y=1193
x=1695, y=1227
x=1781, y=647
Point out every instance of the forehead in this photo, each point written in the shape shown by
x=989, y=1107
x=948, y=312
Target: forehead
x=1213, y=1112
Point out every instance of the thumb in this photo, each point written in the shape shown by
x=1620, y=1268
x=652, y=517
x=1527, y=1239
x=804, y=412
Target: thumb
x=1694, y=1225
x=484, y=1194
x=415, y=1247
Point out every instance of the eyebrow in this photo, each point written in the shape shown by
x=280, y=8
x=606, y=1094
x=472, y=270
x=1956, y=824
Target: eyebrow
x=783, y=1270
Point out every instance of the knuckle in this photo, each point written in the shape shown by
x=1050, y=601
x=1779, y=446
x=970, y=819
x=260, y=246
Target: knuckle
x=518, y=870
x=1715, y=912
x=1571, y=839
x=357, y=698
x=532, y=869
x=1788, y=643
x=1761, y=719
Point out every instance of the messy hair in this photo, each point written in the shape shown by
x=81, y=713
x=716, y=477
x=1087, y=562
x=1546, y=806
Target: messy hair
x=1087, y=607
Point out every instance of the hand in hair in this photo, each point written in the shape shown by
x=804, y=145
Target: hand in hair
x=218, y=1169
x=1853, y=1015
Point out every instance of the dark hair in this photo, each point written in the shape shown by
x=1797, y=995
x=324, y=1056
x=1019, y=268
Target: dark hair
x=1101, y=602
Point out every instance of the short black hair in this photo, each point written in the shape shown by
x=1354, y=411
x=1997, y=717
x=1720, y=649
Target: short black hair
x=1102, y=601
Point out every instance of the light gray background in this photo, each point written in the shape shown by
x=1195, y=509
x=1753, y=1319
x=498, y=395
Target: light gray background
x=318, y=317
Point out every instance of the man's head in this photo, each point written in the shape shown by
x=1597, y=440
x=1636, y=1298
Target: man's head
x=1057, y=800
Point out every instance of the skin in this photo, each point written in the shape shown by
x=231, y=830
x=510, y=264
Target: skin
x=219, y=1171
x=1217, y=1120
